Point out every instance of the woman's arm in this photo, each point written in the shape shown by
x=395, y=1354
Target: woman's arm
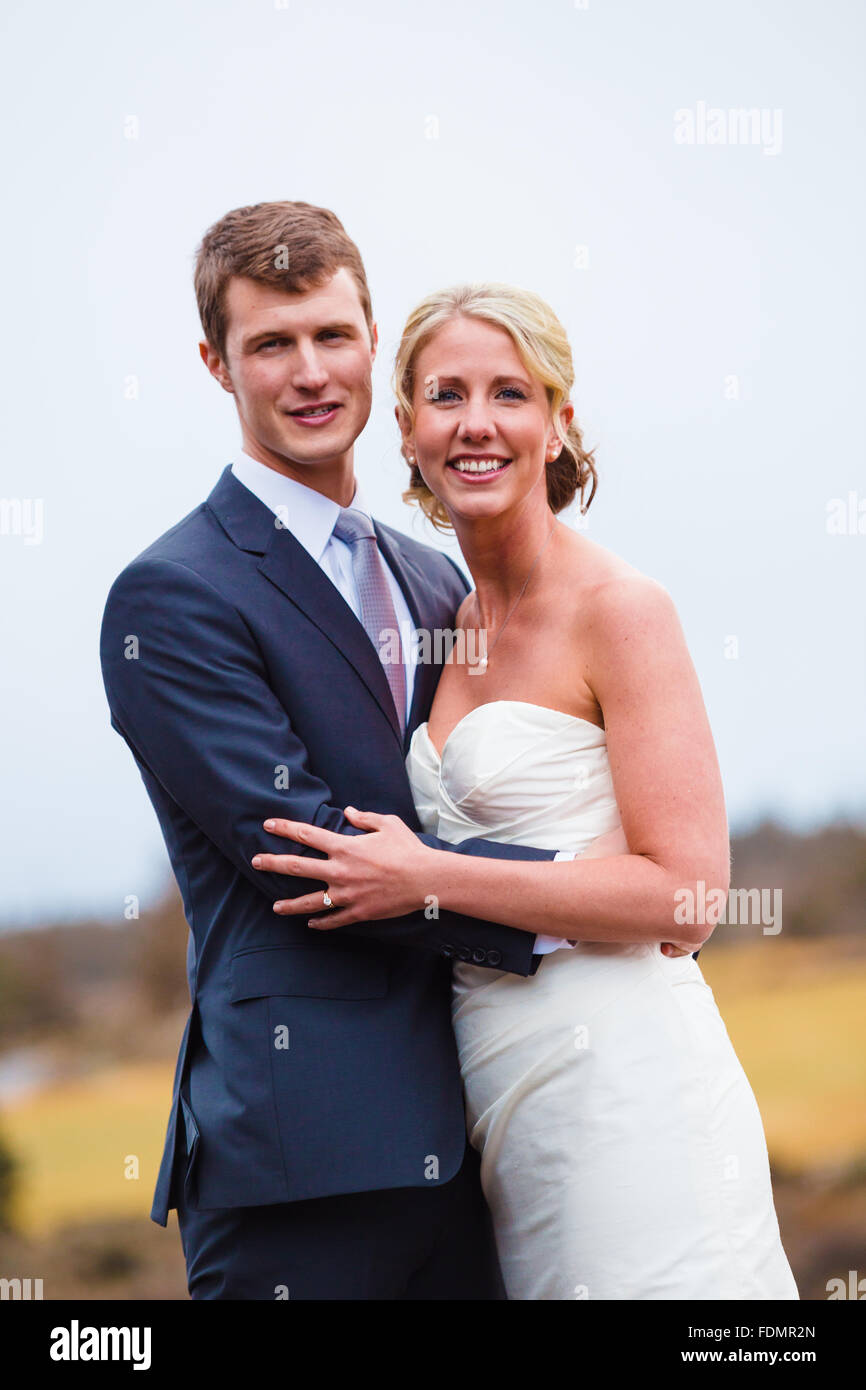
x=667, y=784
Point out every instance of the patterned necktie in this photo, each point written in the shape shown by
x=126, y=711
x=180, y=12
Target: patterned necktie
x=378, y=614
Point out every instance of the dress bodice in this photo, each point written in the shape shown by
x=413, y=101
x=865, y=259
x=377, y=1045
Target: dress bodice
x=517, y=773
x=602, y=1091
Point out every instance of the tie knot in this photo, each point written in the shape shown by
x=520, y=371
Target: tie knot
x=352, y=525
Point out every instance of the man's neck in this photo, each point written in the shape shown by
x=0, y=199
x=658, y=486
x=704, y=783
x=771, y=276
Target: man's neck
x=334, y=479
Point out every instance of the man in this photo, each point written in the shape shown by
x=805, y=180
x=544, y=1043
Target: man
x=316, y=1146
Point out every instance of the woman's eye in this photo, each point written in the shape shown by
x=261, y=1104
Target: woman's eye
x=448, y=393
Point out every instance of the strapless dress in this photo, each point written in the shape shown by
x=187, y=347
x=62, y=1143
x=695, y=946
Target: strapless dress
x=622, y=1151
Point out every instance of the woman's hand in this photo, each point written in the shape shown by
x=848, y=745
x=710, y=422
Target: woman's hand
x=368, y=877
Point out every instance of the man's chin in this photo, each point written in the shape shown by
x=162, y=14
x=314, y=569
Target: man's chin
x=324, y=457
x=312, y=453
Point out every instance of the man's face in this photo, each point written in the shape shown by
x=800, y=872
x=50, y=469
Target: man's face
x=300, y=369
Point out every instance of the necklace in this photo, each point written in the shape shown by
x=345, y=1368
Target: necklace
x=485, y=660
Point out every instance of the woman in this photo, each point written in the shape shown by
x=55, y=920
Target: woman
x=622, y=1150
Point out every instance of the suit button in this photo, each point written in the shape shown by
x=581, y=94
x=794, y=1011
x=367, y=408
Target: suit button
x=479, y=956
x=464, y=953
x=494, y=957
x=448, y=951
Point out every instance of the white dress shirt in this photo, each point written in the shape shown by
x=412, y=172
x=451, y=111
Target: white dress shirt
x=311, y=519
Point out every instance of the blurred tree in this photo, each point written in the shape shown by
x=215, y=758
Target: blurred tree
x=34, y=993
x=160, y=965
x=9, y=1169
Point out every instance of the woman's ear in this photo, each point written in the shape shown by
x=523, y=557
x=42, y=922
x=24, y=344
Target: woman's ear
x=405, y=430
x=566, y=415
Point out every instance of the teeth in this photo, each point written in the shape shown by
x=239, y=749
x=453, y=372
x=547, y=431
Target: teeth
x=319, y=410
x=478, y=465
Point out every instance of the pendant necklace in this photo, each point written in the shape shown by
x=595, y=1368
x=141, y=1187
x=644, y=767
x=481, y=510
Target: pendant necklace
x=485, y=660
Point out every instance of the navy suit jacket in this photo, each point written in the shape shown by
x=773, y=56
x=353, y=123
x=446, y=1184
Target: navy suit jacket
x=244, y=685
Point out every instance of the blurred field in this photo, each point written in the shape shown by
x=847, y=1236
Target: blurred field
x=91, y=1016
x=795, y=1012
x=74, y=1141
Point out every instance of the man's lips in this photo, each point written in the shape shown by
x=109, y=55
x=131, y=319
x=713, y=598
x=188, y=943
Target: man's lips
x=313, y=415
x=478, y=468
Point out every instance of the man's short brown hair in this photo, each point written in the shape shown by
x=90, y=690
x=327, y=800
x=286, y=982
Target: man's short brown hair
x=292, y=246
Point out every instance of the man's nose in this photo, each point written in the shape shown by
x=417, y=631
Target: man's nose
x=309, y=372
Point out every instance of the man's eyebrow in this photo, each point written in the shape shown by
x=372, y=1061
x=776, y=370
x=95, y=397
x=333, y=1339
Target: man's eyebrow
x=265, y=334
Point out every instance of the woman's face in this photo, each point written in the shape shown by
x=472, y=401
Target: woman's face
x=483, y=430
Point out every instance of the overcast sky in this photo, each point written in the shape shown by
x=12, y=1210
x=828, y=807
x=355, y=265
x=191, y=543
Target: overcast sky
x=709, y=270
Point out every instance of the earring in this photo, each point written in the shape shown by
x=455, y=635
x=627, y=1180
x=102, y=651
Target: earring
x=410, y=458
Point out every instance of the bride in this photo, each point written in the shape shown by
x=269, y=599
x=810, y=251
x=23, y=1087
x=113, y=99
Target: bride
x=622, y=1151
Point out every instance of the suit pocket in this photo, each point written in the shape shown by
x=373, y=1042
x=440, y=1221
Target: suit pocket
x=317, y=972
x=192, y=1142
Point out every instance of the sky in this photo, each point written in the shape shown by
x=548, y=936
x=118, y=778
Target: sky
x=709, y=270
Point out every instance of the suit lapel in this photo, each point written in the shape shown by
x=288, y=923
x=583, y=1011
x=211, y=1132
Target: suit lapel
x=288, y=565
x=253, y=527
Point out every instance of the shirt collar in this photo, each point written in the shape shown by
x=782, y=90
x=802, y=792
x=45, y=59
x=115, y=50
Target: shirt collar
x=307, y=514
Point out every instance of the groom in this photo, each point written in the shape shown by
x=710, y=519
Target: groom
x=316, y=1146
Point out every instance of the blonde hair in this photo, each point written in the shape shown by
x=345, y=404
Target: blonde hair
x=543, y=347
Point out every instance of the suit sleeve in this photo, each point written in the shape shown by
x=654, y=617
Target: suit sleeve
x=189, y=693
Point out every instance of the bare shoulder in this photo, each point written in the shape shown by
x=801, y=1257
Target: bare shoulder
x=613, y=595
x=630, y=605
x=626, y=625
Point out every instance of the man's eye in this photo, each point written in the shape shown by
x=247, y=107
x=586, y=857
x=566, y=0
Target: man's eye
x=331, y=333
x=271, y=342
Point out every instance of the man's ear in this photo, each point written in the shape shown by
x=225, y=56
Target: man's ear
x=216, y=366
x=374, y=340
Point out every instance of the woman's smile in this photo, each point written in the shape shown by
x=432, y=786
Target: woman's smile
x=478, y=468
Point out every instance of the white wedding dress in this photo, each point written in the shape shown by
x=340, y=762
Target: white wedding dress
x=622, y=1152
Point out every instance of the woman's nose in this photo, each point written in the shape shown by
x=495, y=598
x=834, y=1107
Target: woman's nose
x=475, y=421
